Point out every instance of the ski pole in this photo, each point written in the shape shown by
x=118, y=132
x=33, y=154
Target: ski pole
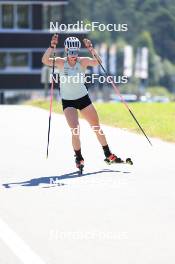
x=51, y=100
x=89, y=46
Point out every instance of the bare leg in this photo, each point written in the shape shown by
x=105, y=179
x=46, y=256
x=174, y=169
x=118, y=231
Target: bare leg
x=71, y=115
x=90, y=114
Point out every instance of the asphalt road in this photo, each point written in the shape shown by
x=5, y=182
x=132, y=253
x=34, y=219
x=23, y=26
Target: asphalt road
x=111, y=214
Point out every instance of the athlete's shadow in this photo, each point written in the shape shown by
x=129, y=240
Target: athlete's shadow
x=54, y=181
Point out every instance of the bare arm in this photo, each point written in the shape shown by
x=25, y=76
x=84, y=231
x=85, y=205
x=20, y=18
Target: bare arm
x=47, y=57
x=87, y=61
x=48, y=60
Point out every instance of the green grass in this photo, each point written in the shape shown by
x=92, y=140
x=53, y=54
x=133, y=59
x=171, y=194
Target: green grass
x=157, y=119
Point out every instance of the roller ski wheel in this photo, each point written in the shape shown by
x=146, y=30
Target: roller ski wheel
x=129, y=161
x=114, y=159
x=79, y=165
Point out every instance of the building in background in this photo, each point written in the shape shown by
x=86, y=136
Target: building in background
x=24, y=35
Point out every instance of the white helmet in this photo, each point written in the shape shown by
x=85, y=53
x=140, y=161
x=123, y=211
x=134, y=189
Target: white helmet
x=72, y=43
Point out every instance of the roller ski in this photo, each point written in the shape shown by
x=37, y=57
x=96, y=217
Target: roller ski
x=114, y=159
x=79, y=164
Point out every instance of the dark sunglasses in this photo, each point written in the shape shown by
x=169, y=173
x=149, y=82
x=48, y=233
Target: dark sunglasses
x=72, y=52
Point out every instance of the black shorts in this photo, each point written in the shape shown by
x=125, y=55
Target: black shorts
x=79, y=103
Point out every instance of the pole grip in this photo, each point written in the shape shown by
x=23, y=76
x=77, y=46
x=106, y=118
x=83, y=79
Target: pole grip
x=88, y=45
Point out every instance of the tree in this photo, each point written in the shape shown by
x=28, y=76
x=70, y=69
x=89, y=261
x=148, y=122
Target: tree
x=163, y=33
x=154, y=61
x=168, y=77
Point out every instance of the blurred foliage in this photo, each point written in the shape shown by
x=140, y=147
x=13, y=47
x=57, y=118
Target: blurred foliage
x=144, y=39
x=130, y=88
x=154, y=16
x=168, y=78
x=158, y=91
x=151, y=23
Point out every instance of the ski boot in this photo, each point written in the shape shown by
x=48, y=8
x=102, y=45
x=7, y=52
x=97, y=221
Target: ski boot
x=114, y=159
x=79, y=164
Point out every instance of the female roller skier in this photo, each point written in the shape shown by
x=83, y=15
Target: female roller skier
x=75, y=96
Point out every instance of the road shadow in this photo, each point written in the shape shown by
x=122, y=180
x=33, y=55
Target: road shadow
x=53, y=181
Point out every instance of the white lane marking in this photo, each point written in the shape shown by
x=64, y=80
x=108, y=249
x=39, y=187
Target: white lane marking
x=18, y=246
